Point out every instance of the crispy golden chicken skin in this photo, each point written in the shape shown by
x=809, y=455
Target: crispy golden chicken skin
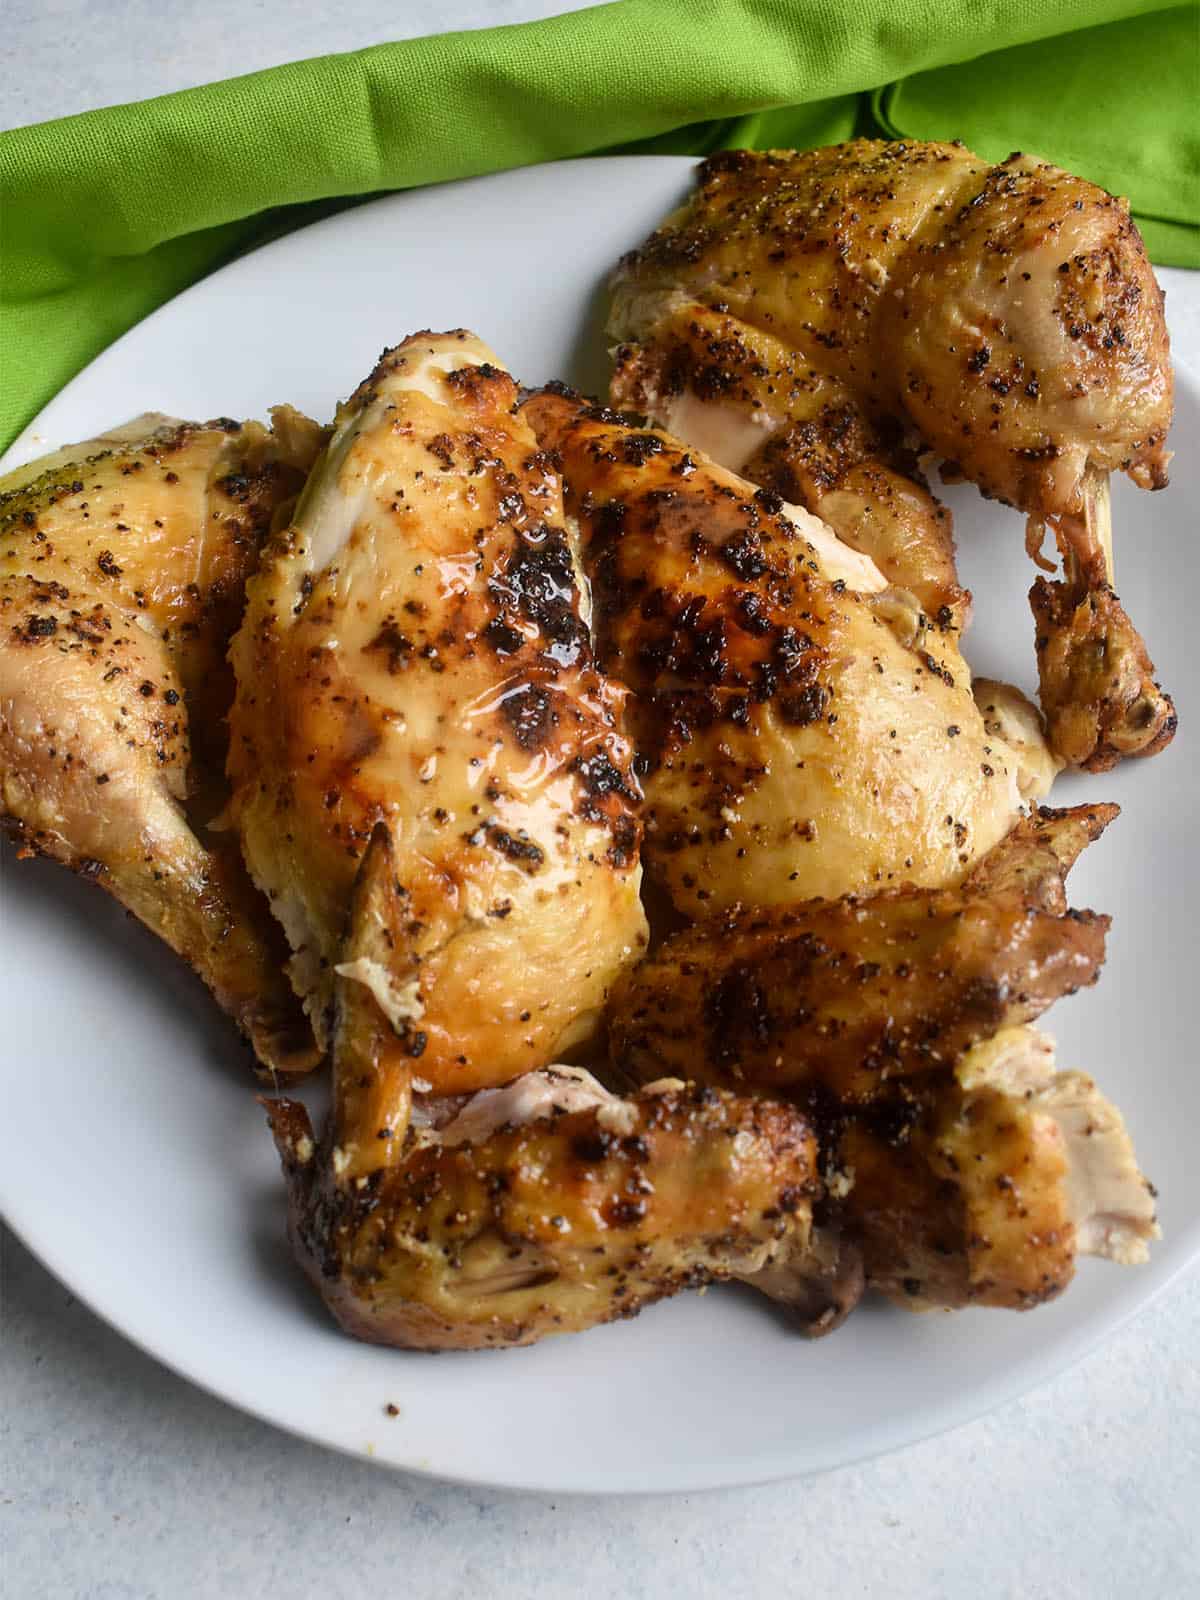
x=760, y=409
x=123, y=562
x=548, y=1225
x=544, y=1206
x=845, y=996
x=959, y=1167
x=805, y=732
x=802, y=309
x=986, y=1186
x=415, y=653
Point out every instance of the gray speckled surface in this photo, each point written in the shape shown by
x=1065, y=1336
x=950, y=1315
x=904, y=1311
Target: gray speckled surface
x=122, y=1480
x=119, y=1481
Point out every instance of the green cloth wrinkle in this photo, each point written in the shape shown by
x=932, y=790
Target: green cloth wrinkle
x=105, y=216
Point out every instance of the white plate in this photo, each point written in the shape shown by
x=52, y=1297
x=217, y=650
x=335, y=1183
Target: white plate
x=134, y=1161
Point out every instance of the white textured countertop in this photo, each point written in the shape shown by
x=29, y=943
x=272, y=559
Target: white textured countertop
x=120, y=1481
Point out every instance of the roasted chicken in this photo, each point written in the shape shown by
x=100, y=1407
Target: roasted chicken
x=544, y=1206
x=122, y=569
x=430, y=767
x=415, y=657
x=843, y=997
x=956, y=1161
x=804, y=727
x=804, y=315
x=986, y=1188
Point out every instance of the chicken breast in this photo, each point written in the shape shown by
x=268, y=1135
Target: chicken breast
x=123, y=562
x=805, y=731
x=415, y=658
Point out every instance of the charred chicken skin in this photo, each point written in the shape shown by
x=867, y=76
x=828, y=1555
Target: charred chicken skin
x=415, y=654
x=845, y=996
x=803, y=313
x=805, y=730
x=959, y=1166
x=544, y=1206
x=122, y=569
x=586, y=1212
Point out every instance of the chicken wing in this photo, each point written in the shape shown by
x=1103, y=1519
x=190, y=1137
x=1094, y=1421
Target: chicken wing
x=803, y=309
x=958, y=1167
x=843, y=997
x=805, y=730
x=415, y=653
x=122, y=569
x=549, y=1208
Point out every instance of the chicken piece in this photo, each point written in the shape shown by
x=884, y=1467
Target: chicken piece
x=1037, y=855
x=991, y=1184
x=804, y=732
x=958, y=1167
x=818, y=1281
x=842, y=998
x=415, y=654
x=542, y=1207
x=1008, y=314
x=550, y=1225
x=1018, y=724
x=123, y=562
x=1096, y=678
x=744, y=398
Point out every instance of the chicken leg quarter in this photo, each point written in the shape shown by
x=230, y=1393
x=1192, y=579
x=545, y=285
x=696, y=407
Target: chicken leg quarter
x=803, y=313
x=122, y=569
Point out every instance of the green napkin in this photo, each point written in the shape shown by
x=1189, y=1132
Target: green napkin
x=107, y=215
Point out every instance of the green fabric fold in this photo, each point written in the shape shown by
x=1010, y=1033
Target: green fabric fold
x=1124, y=111
x=107, y=215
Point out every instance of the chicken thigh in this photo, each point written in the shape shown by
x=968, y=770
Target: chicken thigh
x=803, y=311
x=122, y=569
x=415, y=661
x=805, y=729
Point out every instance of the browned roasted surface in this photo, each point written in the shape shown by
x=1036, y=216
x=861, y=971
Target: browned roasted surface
x=985, y=1186
x=542, y=1206
x=414, y=655
x=960, y=1166
x=552, y=1226
x=804, y=731
x=966, y=1205
x=1097, y=681
x=845, y=996
x=803, y=307
x=1036, y=856
x=122, y=570
x=760, y=408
